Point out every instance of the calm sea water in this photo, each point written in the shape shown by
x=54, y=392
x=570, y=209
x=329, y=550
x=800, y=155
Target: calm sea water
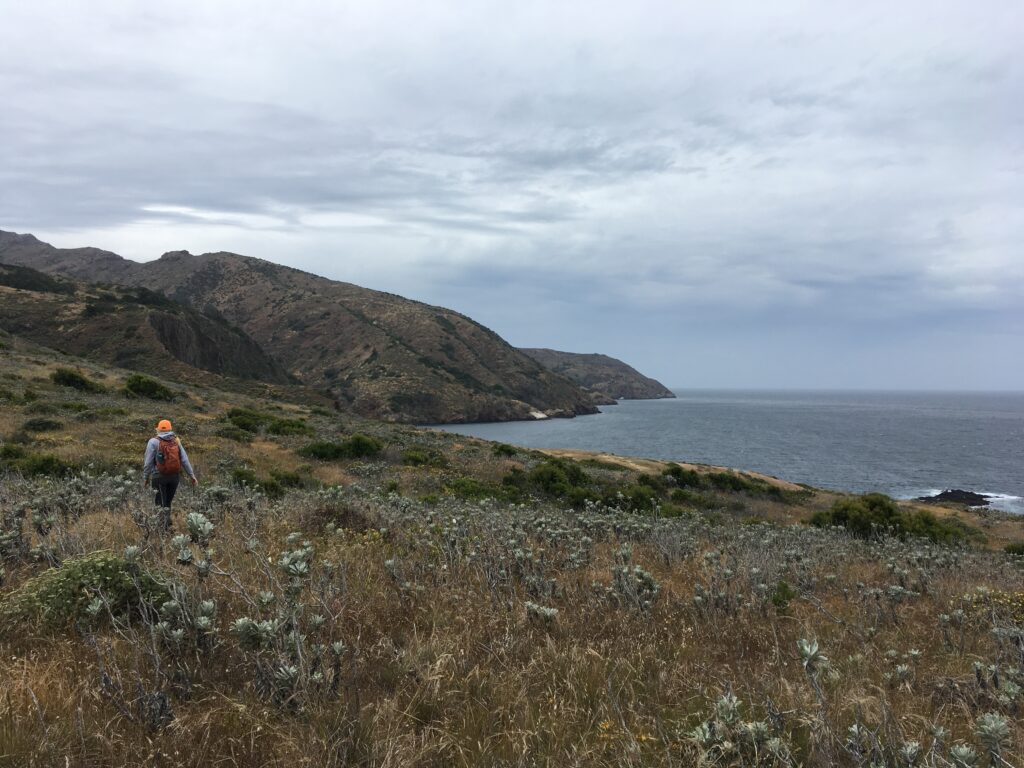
x=900, y=443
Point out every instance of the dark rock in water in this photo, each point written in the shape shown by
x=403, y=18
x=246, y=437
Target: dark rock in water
x=956, y=496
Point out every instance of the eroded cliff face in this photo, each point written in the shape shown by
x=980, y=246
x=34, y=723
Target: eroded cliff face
x=205, y=343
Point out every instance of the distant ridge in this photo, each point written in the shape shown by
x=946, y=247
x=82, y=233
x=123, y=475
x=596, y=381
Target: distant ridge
x=381, y=355
x=605, y=376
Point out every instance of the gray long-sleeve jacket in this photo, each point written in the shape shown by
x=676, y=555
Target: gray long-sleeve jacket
x=149, y=463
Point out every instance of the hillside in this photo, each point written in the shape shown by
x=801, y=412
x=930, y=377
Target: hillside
x=345, y=592
x=133, y=328
x=603, y=375
x=381, y=355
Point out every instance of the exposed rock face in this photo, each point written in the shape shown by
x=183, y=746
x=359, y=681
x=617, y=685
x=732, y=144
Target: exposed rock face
x=128, y=328
x=382, y=356
x=607, y=378
x=957, y=496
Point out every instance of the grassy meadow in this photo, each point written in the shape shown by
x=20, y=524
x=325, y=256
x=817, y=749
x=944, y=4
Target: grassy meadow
x=342, y=592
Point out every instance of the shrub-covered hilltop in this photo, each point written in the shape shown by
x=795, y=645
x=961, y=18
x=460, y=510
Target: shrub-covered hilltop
x=344, y=592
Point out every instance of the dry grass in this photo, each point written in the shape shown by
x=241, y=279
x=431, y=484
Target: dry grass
x=444, y=662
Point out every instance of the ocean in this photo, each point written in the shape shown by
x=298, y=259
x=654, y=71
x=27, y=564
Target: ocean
x=905, y=444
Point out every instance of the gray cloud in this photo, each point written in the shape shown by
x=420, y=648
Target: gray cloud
x=576, y=175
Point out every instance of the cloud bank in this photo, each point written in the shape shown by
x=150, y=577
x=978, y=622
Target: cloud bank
x=733, y=194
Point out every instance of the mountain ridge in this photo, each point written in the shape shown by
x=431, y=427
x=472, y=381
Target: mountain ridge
x=605, y=376
x=382, y=356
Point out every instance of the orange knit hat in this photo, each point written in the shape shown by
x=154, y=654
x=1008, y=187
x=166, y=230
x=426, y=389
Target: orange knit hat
x=163, y=426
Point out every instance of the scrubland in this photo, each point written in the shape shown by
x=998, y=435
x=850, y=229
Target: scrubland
x=340, y=592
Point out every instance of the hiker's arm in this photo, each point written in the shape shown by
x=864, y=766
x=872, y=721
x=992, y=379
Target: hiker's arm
x=185, y=462
x=149, y=463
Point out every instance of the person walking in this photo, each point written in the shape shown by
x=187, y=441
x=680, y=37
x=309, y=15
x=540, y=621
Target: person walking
x=165, y=459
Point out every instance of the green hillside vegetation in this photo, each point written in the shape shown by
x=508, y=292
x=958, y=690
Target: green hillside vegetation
x=339, y=592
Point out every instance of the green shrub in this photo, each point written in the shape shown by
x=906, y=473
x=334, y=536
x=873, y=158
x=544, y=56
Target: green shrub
x=504, y=449
x=471, y=488
x=946, y=530
x=640, y=498
x=421, y=457
x=41, y=408
x=685, y=478
x=557, y=477
x=67, y=377
x=875, y=514
x=415, y=458
x=289, y=479
x=356, y=447
x=60, y=595
x=15, y=458
x=10, y=451
x=247, y=419
x=42, y=425
x=362, y=446
x=244, y=476
x=651, y=481
x=783, y=595
x=694, y=499
x=726, y=481
x=289, y=427
x=138, y=385
x=1016, y=548
x=231, y=432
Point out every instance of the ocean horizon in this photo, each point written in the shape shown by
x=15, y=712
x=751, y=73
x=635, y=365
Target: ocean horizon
x=905, y=443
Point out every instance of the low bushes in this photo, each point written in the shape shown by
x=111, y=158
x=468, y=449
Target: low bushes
x=357, y=446
x=875, y=514
x=41, y=424
x=67, y=377
x=59, y=595
x=138, y=385
x=247, y=419
x=231, y=432
x=423, y=457
x=728, y=482
x=17, y=459
x=289, y=427
x=253, y=421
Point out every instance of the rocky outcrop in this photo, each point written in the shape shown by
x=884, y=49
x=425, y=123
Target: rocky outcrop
x=381, y=355
x=607, y=378
x=213, y=345
x=957, y=496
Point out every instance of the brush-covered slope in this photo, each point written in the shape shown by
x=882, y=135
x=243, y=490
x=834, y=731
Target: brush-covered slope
x=344, y=592
x=129, y=327
x=382, y=355
x=605, y=376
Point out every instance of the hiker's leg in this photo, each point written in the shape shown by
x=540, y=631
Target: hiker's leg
x=170, y=487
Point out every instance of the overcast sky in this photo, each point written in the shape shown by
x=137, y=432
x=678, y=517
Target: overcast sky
x=762, y=194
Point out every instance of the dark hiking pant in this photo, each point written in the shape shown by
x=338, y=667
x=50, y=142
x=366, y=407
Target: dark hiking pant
x=164, y=489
